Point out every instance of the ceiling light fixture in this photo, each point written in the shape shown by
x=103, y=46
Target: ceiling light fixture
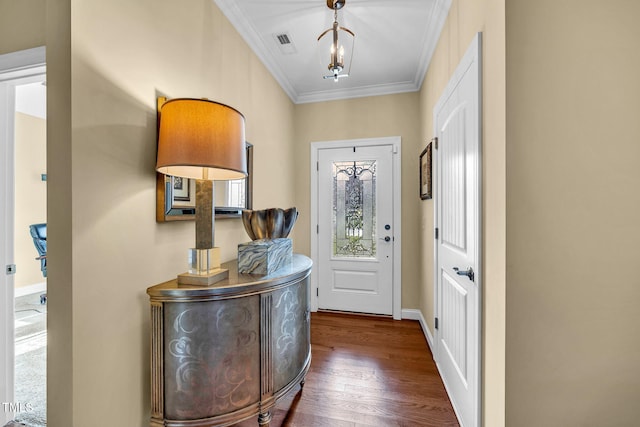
x=339, y=50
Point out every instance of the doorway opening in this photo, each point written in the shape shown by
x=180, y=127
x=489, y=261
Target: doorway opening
x=23, y=195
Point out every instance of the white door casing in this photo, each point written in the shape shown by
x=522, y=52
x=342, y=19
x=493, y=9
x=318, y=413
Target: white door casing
x=15, y=68
x=7, y=95
x=368, y=282
x=457, y=220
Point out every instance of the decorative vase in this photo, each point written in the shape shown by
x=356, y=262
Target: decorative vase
x=273, y=223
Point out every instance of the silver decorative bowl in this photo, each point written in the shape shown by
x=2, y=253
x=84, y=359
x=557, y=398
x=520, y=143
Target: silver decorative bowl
x=273, y=223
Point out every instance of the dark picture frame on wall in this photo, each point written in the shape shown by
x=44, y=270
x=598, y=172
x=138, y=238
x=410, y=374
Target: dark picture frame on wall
x=181, y=187
x=425, y=173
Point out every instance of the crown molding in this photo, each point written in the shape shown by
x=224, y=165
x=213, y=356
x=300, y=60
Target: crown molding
x=250, y=35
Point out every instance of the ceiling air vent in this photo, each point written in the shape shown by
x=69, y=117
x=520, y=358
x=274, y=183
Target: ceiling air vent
x=283, y=38
x=285, y=43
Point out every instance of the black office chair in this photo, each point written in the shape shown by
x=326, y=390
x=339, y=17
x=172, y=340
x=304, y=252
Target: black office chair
x=39, y=235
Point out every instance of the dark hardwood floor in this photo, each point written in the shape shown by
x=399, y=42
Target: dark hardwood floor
x=366, y=371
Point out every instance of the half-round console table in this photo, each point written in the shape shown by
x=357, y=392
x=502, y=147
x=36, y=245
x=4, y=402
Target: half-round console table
x=224, y=353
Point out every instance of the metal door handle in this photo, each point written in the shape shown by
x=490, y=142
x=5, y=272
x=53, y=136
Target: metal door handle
x=469, y=273
x=386, y=238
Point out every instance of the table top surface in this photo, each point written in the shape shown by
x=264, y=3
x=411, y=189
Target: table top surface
x=236, y=285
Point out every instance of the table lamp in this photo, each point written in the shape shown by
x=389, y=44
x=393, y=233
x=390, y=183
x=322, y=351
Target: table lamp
x=205, y=141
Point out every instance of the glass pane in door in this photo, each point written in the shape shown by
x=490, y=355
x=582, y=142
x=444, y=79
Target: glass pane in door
x=354, y=209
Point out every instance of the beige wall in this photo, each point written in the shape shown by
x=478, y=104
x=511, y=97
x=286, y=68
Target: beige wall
x=60, y=274
x=466, y=18
x=30, y=194
x=22, y=25
x=102, y=157
x=373, y=117
x=573, y=210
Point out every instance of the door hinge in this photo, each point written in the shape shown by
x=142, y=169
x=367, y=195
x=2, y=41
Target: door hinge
x=317, y=292
x=436, y=323
x=11, y=269
x=435, y=142
x=318, y=229
x=318, y=166
x=437, y=233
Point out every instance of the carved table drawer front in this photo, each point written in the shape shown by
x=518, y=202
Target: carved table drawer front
x=224, y=353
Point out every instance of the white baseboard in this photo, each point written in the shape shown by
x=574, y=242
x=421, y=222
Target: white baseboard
x=413, y=314
x=31, y=289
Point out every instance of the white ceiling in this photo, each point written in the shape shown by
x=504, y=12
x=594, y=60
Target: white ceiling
x=394, y=42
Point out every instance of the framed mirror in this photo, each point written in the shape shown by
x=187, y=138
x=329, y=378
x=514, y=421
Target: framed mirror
x=176, y=197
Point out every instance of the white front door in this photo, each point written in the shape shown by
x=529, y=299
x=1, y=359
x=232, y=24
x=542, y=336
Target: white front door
x=355, y=228
x=457, y=124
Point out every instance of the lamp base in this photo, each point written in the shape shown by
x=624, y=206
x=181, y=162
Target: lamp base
x=204, y=268
x=214, y=276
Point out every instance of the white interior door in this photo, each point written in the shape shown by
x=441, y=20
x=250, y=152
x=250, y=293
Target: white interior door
x=356, y=229
x=15, y=68
x=457, y=124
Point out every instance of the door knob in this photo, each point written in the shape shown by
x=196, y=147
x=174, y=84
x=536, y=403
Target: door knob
x=386, y=238
x=469, y=273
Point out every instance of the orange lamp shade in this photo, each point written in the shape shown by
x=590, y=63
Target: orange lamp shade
x=201, y=139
